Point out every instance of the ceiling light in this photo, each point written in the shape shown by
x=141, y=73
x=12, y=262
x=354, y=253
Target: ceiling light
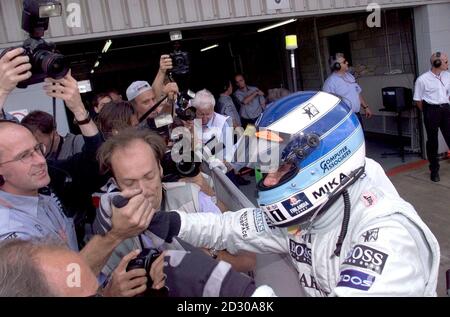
x=209, y=47
x=96, y=64
x=276, y=25
x=106, y=47
x=92, y=71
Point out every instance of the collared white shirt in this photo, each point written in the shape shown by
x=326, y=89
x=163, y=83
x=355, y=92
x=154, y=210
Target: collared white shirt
x=28, y=217
x=432, y=88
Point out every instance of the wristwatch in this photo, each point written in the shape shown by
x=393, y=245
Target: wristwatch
x=214, y=253
x=84, y=121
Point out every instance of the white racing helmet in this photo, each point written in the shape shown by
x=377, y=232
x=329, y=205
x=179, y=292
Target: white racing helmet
x=322, y=141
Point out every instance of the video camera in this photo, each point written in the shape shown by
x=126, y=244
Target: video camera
x=44, y=59
x=183, y=110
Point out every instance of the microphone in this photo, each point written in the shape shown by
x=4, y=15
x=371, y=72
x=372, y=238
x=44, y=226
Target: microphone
x=120, y=201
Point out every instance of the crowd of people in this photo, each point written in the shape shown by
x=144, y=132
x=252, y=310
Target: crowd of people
x=102, y=199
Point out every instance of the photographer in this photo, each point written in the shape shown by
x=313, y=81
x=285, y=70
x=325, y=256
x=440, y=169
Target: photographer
x=43, y=127
x=133, y=156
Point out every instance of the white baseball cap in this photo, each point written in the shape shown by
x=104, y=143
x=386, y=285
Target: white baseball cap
x=137, y=88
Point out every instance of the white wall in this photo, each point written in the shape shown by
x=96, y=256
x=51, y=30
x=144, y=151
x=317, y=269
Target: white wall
x=34, y=98
x=432, y=28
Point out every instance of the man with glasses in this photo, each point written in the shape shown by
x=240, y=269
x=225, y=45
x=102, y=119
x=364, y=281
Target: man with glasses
x=344, y=85
x=432, y=95
x=25, y=213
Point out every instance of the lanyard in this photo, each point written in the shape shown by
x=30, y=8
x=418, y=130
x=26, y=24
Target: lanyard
x=440, y=79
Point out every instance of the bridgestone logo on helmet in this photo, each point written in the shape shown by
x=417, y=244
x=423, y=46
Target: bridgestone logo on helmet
x=335, y=160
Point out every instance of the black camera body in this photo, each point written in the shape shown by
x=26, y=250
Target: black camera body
x=144, y=261
x=180, y=61
x=44, y=59
x=174, y=171
x=183, y=110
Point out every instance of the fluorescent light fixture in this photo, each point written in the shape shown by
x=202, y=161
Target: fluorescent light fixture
x=106, y=47
x=209, y=47
x=276, y=25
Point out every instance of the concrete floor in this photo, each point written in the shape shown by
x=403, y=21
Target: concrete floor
x=432, y=202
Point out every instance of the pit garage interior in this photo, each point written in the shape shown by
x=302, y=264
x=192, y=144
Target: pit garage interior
x=381, y=56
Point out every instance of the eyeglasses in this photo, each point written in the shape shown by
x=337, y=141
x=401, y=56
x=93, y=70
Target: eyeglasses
x=27, y=156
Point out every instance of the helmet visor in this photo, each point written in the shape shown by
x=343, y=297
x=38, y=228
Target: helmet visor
x=273, y=150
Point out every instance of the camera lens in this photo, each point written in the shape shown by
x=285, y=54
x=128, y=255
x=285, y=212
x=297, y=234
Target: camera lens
x=52, y=64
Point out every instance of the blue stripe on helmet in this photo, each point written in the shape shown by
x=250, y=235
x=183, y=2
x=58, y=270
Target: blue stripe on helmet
x=311, y=173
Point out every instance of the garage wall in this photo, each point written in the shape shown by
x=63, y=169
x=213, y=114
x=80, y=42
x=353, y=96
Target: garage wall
x=106, y=18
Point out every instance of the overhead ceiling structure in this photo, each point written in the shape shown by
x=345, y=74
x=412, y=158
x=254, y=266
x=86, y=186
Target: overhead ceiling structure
x=90, y=19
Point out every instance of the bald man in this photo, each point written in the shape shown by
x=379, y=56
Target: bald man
x=43, y=269
x=432, y=96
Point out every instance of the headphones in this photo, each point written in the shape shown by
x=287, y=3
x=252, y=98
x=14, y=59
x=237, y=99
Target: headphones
x=334, y=64
x=437, y=62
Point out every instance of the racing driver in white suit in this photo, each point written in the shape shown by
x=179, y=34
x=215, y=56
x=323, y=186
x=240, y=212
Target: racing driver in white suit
x=333, y=210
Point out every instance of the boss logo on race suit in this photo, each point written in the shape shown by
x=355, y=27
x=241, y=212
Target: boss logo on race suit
x=323, y=190
x=308, y=281
x=297, y=204
x=371, y=235
x=300, y=252
x=311, y=111
x=356, y=279
x=334, y=160
x=367, y=258
x=259, y=220
x=245, y=228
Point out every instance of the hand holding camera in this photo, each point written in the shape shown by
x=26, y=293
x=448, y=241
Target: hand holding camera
x=14, y=68
x=150, y=260
x=125, y=282
x=42, y=56
x=66, y=89
x=165, y=63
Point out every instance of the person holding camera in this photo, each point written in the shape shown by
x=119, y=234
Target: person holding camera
x=134, y=158
x=432, y=96
x=342, y=84
x=30, y=212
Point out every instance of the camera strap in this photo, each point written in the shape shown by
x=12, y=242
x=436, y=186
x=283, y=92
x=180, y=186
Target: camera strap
x=145, y=115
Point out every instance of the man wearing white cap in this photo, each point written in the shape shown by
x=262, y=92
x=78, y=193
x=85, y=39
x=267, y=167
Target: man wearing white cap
x=142, y=97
